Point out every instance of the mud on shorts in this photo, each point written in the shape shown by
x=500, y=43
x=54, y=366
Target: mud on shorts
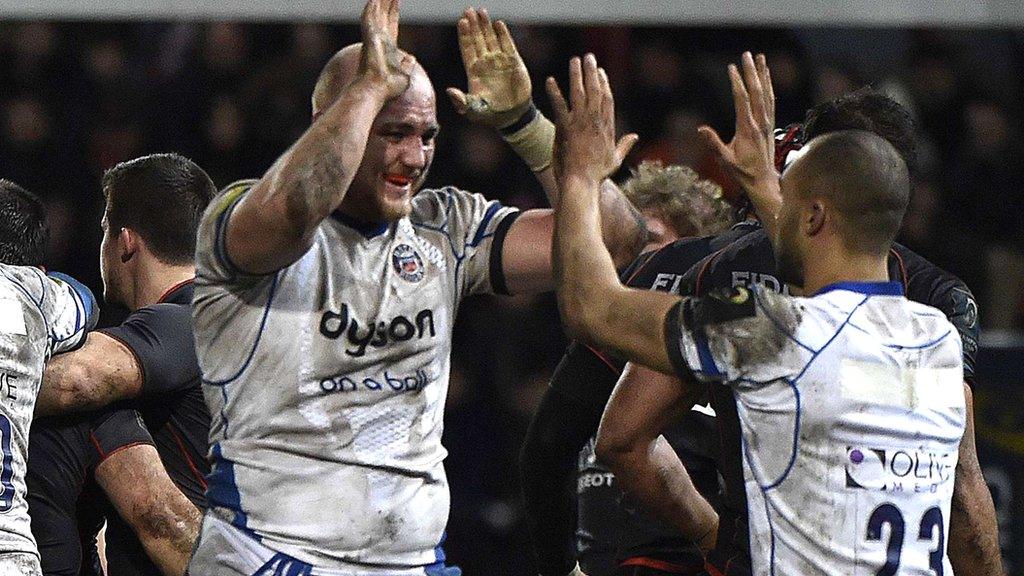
x=224, y=550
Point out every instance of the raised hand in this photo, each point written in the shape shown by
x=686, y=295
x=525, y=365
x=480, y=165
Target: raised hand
x=381, y=63
x=750, y=156
x=585, y=144
x=499, y=84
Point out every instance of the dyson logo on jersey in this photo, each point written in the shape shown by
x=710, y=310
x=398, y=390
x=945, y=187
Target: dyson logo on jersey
x=898, y=470
x=378, y=334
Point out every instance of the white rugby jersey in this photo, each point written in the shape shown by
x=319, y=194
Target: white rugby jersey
x=326, y=381
x=851, y=407
x=40, y=316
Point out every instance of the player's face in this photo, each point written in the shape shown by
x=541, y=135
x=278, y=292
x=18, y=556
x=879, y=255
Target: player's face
x=398, y=155
x=786, y=244
x=110, y=270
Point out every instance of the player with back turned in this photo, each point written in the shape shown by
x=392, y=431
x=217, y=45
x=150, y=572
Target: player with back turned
x=40, y=315
x=580, y=388
x=325, y=298
x=813, y=377
x=972, y=544
x=151, y=471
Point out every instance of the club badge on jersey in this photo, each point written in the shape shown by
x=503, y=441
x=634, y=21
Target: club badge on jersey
x=407, y=263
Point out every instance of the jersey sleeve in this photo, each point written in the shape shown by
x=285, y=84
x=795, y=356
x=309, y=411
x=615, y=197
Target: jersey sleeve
x=476, y=228
x=114, y=430
x=735, y=336
x=213, y=264
x=160, y=338
x=70, y=310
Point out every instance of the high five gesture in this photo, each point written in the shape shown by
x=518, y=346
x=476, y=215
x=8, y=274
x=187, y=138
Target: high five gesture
x=750, y=156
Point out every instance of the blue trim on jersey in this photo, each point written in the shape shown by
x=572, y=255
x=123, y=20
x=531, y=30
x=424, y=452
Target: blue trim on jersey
x=920, y=346
x=222, y=490
x=480, y=231
x=284, y=565
x=778, y=325
x=259, y=336
x=220, y=251
x=443, y=228
x=707, y=360
x=369, y=230
x=91, y=308
x=866, y=288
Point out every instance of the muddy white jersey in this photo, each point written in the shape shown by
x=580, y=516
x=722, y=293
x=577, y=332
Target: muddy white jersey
x=851, y=407
x=326, y=380
x=40, y=315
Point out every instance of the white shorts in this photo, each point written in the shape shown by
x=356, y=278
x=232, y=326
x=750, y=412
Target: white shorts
x=19, y=564
x=224, y=550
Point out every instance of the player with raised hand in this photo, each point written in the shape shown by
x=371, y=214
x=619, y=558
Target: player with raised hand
x=500, y=95
x=325, y=298
x=838, y=208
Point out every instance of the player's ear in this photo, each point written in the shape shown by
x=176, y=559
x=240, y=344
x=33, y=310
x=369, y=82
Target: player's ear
x=128, y=243
x=815, y=215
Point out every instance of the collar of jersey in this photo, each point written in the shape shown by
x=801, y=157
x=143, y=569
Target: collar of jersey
x=866, y=288
x=367, y=229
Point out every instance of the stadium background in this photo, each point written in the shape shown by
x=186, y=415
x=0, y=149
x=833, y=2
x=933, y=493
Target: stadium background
x=80, y=94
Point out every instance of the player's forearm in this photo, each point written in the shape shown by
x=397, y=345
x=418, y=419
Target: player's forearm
x=171, y=551
x=103, y=371
x=274, y=225
x=973, y=531
x=765, y=196
x=623, y=228
x=584, y=271
x=653, y=473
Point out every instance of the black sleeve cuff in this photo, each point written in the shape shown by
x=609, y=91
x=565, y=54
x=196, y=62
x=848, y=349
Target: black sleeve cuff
x=673, y=338
x=497, y=270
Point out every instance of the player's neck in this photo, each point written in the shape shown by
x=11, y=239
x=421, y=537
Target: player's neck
x=154, y=281
x=842, y=266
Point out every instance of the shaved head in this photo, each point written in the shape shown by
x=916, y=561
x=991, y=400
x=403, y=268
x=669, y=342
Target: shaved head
x=400, y=146
x=851, y=185
x=342, y=68
x=865, y=179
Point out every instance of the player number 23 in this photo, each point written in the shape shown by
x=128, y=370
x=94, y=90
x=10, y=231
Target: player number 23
x=891, y=515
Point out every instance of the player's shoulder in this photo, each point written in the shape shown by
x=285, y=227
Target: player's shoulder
x=228, y=195
x=22, y=276
x=745, y=244
x=659, y=269
x=435, y=205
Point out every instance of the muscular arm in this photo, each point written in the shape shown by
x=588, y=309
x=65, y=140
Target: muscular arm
x=596, y=307
x=274, y=224
x=629, y=442
x=526, y=255
x=102, y=371
x=973, y=537
x=166, y=522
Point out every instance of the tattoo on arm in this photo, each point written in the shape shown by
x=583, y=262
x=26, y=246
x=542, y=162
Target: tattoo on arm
x=623, y=227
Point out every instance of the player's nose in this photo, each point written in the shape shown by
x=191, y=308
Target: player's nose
x=413, y=154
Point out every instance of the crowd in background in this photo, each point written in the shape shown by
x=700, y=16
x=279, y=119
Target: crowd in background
x=79, y=97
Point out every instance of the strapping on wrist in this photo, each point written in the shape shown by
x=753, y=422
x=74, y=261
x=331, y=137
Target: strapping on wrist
x=532, y=137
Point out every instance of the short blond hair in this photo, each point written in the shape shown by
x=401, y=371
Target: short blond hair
x=679, y=197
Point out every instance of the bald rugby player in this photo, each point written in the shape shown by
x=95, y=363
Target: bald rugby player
x=325, y=297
